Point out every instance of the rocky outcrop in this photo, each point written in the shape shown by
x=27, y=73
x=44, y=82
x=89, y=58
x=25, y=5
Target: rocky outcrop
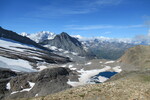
x=43, y=83
x=5, y=75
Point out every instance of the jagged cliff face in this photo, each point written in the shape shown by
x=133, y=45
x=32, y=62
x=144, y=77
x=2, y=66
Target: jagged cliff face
x=138, y=56
x=66, y=42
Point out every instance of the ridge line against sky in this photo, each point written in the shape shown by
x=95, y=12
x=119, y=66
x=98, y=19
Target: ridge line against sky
x=88, y=18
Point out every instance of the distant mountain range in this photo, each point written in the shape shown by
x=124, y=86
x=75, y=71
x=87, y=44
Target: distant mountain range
x=99, y=47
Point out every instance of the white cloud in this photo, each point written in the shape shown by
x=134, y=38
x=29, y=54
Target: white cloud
x=149, y=32
x=93, y=27
x=54, y=8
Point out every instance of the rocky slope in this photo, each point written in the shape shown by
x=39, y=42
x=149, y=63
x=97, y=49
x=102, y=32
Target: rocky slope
x=138, y=56
x=33, y=84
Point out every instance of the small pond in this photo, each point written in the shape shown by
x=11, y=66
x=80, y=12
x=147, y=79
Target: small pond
x=105, y=75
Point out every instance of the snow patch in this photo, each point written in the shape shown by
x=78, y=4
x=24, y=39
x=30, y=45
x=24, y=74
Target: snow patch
x=100, y=62
x=108, y=62
x=36, y=95
x=60, y=49
x=63, y=65
x=66, y=52
x=86, y=75
x=16, y=62
x=89, y=63
x=73, y=68
x=72, y=83
x=117, y=69
x=8, y=86
x=102, y=79
x=27, y=89
x=10, y=44
x=70, y=66
x=53, y=48
x=74, y=53
x=41, y=67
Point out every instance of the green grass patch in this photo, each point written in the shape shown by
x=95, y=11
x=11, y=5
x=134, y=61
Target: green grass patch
x=146, y=78
x=82, y=95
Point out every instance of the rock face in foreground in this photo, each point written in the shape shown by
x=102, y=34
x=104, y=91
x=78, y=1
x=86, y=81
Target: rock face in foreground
x=138, y=56
x=37, y=83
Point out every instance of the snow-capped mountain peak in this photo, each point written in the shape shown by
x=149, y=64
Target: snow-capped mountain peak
x=24, y=34
x=40, y=36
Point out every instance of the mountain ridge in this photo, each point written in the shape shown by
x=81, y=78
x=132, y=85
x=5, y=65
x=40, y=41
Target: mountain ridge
x=66, y=42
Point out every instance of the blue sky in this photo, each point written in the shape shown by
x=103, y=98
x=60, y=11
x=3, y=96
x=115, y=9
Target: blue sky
x=89, y=18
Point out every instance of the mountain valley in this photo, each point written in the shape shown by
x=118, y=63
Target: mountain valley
x=45, y=66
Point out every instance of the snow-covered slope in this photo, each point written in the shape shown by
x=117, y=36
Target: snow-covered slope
x=22, y=57
x=14, y=64
x=40, y=36
x=23, y=54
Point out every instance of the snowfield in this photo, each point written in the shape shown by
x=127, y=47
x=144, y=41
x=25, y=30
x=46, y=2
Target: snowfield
x=41, y=67
x=10, y=44
x=86, y=75
x=16, y=68
x=16, y=62
x=18, y=65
